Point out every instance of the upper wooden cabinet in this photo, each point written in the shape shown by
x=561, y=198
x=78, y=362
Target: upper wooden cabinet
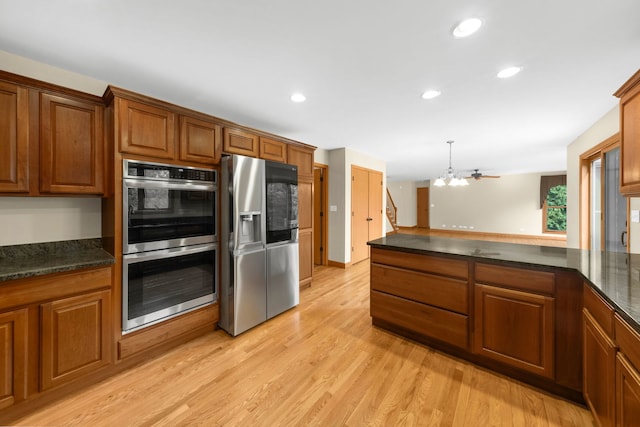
x=270, y=149
x=200, y=140
x=71, y=145
x=145, y=130
x=238, y=141
x=303, y=158
x=629, y=95
x=14, y=138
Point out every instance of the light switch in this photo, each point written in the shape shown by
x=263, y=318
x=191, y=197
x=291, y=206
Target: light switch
x=635, y=215
x=333, y=208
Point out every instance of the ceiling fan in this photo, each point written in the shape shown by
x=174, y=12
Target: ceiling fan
x=478, y=175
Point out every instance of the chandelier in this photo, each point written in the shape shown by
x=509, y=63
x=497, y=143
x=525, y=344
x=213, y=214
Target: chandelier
x=454, y=180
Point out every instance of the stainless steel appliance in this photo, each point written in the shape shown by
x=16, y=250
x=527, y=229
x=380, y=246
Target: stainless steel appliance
x=258, y=280
x=170, y=260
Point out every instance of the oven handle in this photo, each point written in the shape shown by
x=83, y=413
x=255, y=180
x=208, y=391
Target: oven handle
x=141, y=183
x=168, y=253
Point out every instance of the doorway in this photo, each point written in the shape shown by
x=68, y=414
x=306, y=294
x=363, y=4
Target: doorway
x=320, y=222
x=366, y=210
x=423, y=207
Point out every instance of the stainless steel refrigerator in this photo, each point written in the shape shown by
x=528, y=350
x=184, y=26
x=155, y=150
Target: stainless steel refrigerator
x=258, y=279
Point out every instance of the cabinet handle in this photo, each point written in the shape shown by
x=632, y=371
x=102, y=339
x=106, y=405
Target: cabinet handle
x=369, y=219
x=622, y=241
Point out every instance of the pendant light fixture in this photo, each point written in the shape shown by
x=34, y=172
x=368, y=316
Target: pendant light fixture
x=454, y=179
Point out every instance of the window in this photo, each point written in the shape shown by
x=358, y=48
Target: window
x=555, y=210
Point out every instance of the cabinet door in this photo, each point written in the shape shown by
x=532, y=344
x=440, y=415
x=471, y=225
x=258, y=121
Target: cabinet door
x=305, y=246
x=630, y=142
x=270, y=149
x=627, y=393
x=238, y=141
x=303, y=158
x=71, y=146
x=74, y=337
x=145, y=130
x=14, y=138
x=598, y=364
x=199, y=141
x=13, y=354
x=515, y=328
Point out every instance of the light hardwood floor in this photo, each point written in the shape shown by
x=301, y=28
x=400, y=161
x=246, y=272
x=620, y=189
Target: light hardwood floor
x=559, y=241
x=320, y=364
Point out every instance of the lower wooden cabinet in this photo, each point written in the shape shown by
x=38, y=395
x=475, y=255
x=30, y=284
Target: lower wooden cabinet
x=75, y=337
x=305, y=249
x=516, y=328
x=627, y=393
x=599, y=359
x=13, y=357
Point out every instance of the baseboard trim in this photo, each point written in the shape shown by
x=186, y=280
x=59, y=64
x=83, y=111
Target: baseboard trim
x=338, y=264
x=468, y=234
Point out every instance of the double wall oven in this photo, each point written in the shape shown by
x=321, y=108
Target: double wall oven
x=170, y=259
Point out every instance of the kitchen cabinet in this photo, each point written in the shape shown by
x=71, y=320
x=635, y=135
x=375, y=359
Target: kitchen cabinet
x=51, y=139
x=13, y=357
x=239, y=141
x=71, y=145
x=627, y=394
x=302, y=157
x=629, y=95
x=598, y=358
x=14, y=138
x=271, y=149
x=200, y=140
x=423, y=295
x=145, y=129
x=54, y=329
x=75, y=337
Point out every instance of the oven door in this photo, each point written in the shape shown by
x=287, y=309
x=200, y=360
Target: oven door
x=158, y=285
x=160, y=215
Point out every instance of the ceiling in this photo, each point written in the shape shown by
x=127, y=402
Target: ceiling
x=363, y=65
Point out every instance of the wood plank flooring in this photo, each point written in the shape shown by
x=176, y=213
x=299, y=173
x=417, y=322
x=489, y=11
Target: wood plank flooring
x=319, y=364
x=559, y=241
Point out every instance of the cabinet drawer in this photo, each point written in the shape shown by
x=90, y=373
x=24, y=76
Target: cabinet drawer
x=439, y=291
x=518, y=278
x=628, y=341
x=598, y=309
x=429, y=321
x=425, y=263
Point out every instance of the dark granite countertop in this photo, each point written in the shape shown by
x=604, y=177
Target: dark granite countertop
x=36, y=259
x=616, y=276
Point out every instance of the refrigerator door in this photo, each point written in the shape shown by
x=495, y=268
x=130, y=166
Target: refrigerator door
x=249, y=294
x=283, y=287
x=248, y=204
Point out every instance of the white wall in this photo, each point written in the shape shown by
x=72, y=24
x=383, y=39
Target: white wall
x=340, y=162
x=507, y=205
x=604, y=128
x=47, y=219
x=404, y=195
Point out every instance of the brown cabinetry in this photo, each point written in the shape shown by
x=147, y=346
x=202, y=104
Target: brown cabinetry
x=200, y=140
x=13, y=357
x=270, y=149
x=629, y=95
x=238, y=141
x=75, y=337
x=71, y=145
x=627, y=395
x=598, y=358
x=145, y=130
x=14, y=138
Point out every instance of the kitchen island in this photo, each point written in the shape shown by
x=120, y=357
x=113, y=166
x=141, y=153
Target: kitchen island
x=526, y=311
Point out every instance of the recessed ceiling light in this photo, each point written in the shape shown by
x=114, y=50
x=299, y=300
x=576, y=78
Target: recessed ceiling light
x=430, y=94
x=467, y=27
x=509, y=72
x=298, y=97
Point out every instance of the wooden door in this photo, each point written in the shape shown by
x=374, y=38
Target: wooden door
x=13, y=357
x=75, y=337
x=14, y=138
x=515, y=328
x=598, y=364
x=423, y=207
x=238, y=141
x=145, y=129
x=359, y=214
x=71, y=146
x=375, y=205
x=200, y=141
x=320, y=186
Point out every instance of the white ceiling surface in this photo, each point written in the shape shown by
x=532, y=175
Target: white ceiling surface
x=363, y=65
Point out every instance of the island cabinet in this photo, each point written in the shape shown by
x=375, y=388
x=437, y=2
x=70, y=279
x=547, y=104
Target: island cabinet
x=51, y=139
x=598, y=358
x=423, y=296
x=629, y=95
x=54, y=330
x=627, y=395
x=514, y=317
